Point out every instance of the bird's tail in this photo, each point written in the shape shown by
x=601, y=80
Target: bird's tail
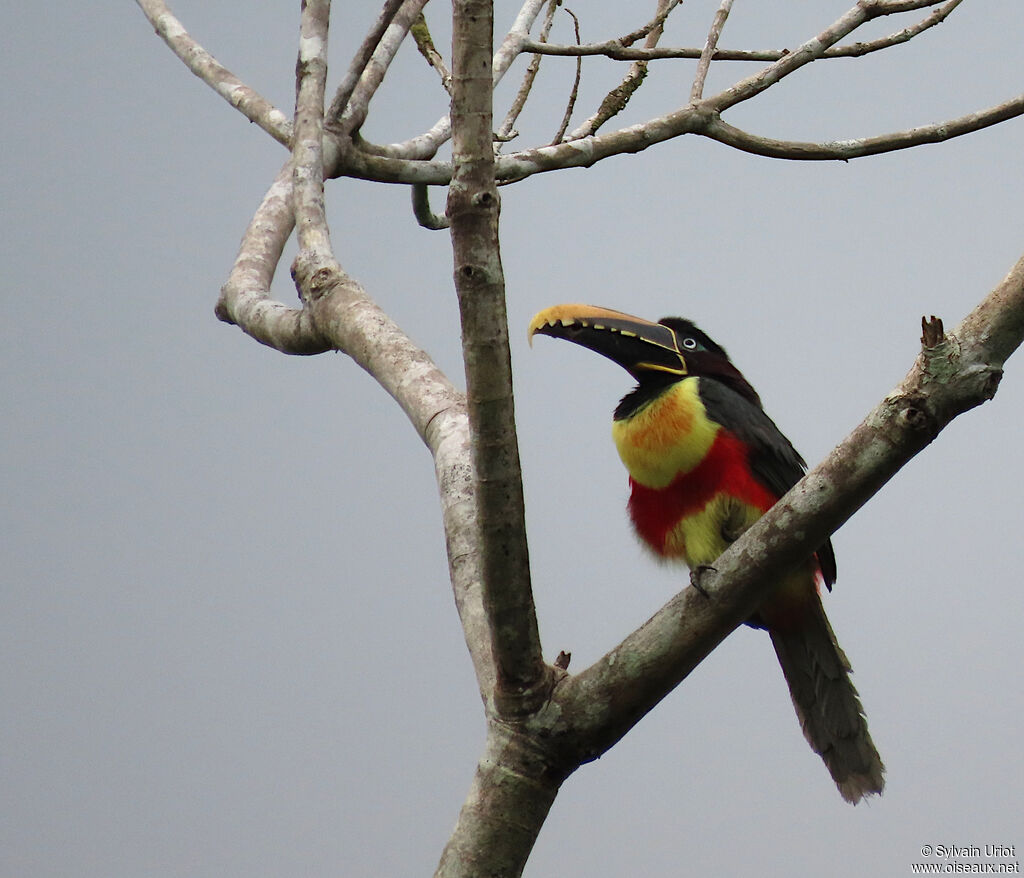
x=827, y=704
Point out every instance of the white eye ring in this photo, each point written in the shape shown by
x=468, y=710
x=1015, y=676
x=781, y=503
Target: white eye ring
x=690, y=344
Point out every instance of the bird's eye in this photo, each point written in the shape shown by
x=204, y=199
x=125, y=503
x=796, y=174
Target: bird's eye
x=690, y=344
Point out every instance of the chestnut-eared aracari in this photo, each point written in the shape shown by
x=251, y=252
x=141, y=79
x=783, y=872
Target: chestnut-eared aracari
x=705, y=462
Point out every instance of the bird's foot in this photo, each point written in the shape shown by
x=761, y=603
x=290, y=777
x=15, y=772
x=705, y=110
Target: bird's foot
x=697, y=574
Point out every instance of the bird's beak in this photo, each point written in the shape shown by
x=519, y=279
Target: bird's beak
x=638, y=345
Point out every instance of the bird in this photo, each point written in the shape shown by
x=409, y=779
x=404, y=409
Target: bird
x=705, y=462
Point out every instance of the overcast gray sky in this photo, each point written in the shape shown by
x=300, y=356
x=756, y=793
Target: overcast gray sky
x=228, y=644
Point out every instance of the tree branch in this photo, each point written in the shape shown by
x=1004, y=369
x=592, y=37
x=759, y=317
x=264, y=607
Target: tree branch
x=307, y=146
x=260, y=111
x=811, y=50
x=421, y=148
x=506, y=130
x=479, y=281
x=618, y=50
x=689, y=120
x=704, y=65
x=509, y=799
x=246, y=100
x=655, y=25
x=359, y=61
x=421, y=210
x=517, y=35
x=857, y=50
x=245, y=298
x=844, y=150
x=615, y=101
x=426, y=145
x=514, y=786
x=366, y=72
x=382, y=166
x=356, y=325
x=574, y=92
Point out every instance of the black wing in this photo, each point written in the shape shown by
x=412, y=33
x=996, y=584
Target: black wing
x=773, y=459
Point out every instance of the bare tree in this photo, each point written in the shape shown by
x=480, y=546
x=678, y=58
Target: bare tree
x=542, y=722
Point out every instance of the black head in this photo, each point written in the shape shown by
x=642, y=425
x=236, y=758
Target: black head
x=706, y=358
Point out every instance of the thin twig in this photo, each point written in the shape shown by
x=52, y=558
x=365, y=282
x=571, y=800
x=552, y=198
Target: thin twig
x=807, y=52
x=615, y=101
x=575, y=85
x=704, y=65
x=614, y=50
x=856, y=50
x=893, y=7
x=655, y=24
x=506, y=131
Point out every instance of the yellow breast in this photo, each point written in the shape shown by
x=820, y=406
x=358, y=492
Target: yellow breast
x=668, y=436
